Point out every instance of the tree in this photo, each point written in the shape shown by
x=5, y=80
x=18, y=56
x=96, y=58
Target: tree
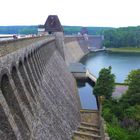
x=133, y=92
x=105, y=83
x=133, y=81
x=122, y=37
x=28, y=30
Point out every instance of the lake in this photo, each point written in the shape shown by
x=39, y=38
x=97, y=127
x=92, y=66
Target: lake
x=122, y=63
x=87, y=99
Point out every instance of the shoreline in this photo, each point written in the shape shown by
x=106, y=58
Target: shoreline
x=124, y=50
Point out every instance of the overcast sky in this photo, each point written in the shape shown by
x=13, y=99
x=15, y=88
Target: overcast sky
x=112, y=13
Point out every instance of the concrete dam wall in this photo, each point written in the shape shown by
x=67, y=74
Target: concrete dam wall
x=78, y=46
x=38, y=95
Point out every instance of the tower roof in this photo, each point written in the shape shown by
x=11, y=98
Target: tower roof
x=84, y=30
x=53, y=24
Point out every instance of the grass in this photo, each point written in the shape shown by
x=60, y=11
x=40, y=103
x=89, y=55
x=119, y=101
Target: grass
x=115, y=113
x=125, y=49
x=123, y=84
x=118, y=133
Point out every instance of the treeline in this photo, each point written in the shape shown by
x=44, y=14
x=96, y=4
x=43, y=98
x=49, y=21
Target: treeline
x=122, y=37
x=70, y=30
x=18, y=30
x=122, y=115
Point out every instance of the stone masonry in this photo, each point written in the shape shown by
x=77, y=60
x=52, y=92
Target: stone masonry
x=38, y=95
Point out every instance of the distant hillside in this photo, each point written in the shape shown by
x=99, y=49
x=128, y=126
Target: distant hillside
x=68, y=30
x=18, y=29
x=122, y=37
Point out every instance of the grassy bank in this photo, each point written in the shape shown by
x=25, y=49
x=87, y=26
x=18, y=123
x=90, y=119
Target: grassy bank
x=122, y=84
x=125, y=49
x=117, y=132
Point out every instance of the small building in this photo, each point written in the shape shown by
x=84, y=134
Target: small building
x=51, y=25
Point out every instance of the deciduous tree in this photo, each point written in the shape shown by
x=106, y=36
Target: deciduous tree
x=105, y=83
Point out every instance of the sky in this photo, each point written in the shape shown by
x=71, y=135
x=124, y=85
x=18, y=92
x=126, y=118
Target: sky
x=105, y=13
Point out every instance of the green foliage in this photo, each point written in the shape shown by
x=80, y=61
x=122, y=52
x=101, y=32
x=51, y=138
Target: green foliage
x=107, y=114
x=123, y=116
x=70, y=30
x=130, y=112
x=105, y=83
x=125, y=49
x=116, y=132
x=122, y=37
x=137, y=113
x=133, y=81
x=134, y=135
x=123, y=120
x=18, y=29
x=28, y=30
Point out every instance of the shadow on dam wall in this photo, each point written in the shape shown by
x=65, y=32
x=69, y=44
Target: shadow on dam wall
x=38, y=95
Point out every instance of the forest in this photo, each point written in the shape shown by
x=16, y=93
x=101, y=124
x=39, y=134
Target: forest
x=68, y=30
x=113, y=37
x=122, y=37
x=18, y=30
x=122, y=115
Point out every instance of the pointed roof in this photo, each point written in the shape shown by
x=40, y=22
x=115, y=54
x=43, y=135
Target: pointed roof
x=84, y=30
x=53, y=24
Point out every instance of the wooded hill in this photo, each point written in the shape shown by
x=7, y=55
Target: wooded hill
x=68, y=30
x=122, y=37
x=18, y=29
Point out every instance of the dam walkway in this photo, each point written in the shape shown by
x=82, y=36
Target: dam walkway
x=92, y=124
x=89, y=128
x=90, y=76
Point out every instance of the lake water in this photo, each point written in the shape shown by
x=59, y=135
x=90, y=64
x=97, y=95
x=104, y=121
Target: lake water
x=88, y=100
x=122, y=63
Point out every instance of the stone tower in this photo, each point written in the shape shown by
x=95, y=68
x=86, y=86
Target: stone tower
x=53, y=24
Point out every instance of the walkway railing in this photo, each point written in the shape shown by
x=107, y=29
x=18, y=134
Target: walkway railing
x=91, y=76
x=9, y=46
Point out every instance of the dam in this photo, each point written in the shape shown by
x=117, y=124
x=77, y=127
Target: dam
x=38, y=94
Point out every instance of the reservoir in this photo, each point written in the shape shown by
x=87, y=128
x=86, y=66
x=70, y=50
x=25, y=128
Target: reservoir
x=87, y=98
x=122, y=63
